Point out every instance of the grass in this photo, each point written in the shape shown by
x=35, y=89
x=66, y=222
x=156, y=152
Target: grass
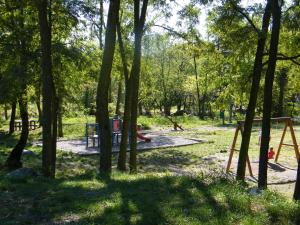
x=173, y=186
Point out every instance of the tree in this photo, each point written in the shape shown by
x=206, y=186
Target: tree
x=14, y=159
x=297, y=186
x=268, y=90
x=103, y=87
x=12, y=118
x=282, y=82
x=139, y=22
x=49, y=113
x=257, y=69
x=127, y=106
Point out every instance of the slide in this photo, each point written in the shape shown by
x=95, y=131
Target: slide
x=140, y=136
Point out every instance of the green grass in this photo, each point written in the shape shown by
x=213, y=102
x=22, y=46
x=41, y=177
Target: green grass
x=173, y=186
x=185, y=121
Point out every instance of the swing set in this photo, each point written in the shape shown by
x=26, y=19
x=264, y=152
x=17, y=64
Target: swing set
x=239, y=129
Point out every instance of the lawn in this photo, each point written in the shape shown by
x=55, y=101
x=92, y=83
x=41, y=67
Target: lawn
x=173, y=186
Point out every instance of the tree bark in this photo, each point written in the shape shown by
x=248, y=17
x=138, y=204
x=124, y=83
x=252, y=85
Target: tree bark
x=14, y=159
x=139, y=21
x=119, y=97
x=101, y=24
x=257, y=69
x=12, y=118
x=127, y=105
x=104, y=85
x=268, y=90
x=230, y=111
x=5, y=112
x=297, y=186
x=48, y=91
x=38, y=106
x=282, y=81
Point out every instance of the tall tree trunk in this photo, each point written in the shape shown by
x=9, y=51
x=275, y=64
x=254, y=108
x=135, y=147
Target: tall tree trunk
x=197, y=86
x=257, y=69
x=119, y=97
x=104, y=85
x=230, y=111
x=101, y=12
x=127, y=105
x=297, y=186
x=139, y=22
x=38, y=106
x=140, y=109
x=12, y=118
x=5, y=111
x=48, y=91
x=14, y=159
x=267, y=106
x=282, y=81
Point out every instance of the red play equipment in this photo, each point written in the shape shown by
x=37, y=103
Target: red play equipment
x=140, y=136
x=271, y=153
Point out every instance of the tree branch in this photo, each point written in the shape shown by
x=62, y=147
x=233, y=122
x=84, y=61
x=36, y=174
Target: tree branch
x=244, y=14
x=181, y=35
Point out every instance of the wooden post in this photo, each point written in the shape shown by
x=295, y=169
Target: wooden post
x=294, y=140
x=232, y=150
x=288, y=123
x=281, y=141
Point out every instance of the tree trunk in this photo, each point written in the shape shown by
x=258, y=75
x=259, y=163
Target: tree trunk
x=38, y=105
x=48, y=91
x=230, y=111
x=14, y=159
x=282, y=81
x=267, y=106
x=127, y=105
x=104, y=86
x=101, y=24
x=140, y=109
x=297, y=186
x=12, y=118
x=119, y=97
x=167, y=109
x=139, y=22
x=197, y=86
x=178, y=106
x=5, y=112
x=257, y=69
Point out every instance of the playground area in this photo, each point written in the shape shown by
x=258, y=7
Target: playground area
x=79, y=146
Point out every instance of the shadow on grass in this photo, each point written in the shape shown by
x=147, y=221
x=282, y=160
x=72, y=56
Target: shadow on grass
x=146, y=200
x=165, y=159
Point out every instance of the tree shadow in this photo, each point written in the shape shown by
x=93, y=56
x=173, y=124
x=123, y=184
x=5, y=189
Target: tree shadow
x=166, y=159
x=143, y=200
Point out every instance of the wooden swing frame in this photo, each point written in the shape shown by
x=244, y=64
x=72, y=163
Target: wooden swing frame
x=240, y=126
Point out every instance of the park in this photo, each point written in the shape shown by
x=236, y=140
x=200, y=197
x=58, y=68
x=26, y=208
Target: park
x=149, y=112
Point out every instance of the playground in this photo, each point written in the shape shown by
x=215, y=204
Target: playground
x=179, y=163
x=78, y=146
